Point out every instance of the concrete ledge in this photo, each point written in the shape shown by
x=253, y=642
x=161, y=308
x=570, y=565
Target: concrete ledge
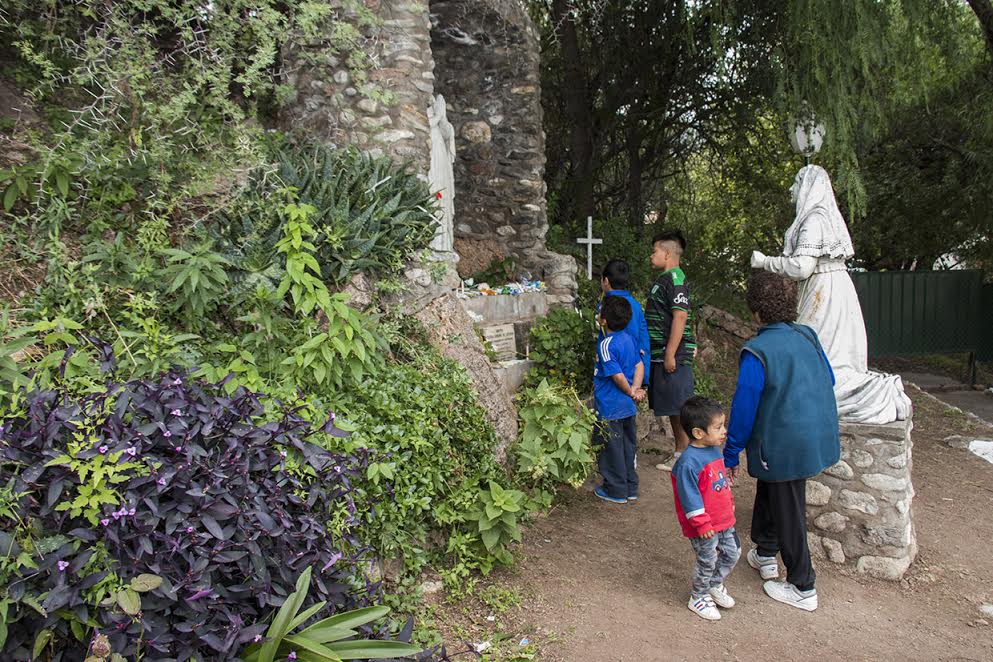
x=512, y=374
x=506, y=308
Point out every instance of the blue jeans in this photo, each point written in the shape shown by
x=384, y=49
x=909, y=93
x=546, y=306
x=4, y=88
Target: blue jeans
x=715, y=559
x=616, y=459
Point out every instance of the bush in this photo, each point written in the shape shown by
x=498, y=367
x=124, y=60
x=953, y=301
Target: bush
x=371, y=215
x=178, y=485
x=562, y=348
x=555, y=439
x=434, y=450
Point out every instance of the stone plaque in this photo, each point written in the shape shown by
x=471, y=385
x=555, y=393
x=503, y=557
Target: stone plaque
x=502, y=339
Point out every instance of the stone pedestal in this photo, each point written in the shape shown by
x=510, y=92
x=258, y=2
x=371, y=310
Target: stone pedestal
x=859, y=511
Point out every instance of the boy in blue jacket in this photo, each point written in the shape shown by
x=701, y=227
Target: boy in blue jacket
x=705, y=507
x=614, y=281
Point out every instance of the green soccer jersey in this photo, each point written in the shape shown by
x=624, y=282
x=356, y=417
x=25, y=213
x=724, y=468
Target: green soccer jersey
x=670, y=292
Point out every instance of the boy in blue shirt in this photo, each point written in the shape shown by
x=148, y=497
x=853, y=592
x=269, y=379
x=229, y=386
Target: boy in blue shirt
x=617, y=380
x=614, y=282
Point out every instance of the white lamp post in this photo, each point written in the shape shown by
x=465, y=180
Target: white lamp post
x=807, y=136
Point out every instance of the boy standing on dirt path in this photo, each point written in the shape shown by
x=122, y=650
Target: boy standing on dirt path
x=670, y=332
x=616, y=387
x=705, y=506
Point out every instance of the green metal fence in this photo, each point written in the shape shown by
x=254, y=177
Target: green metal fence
x=985, y=350
x=926, y=312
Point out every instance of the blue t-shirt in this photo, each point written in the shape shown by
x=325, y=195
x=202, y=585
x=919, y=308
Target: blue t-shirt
x=615, y=354
x=637, y=328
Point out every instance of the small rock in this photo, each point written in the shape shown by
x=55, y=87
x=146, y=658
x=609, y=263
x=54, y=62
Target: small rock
x=986, y=609
x=882, y=567
x=840, y=470
x=418, y=276
x=897, y=462
x=818, y=494
x=884, y=483
x=432, y=586
x=860, y=501
x=367, y=106
x=861, y=458
x=833, y=549
x=833, y=522
x=477, y=132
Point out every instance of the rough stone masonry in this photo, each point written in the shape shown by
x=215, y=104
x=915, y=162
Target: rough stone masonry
x=859, y=511
x=483, y=56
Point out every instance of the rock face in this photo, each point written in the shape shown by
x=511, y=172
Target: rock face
x=487, y=57
x=860, y=509
x=483, y=56
x=329, y=104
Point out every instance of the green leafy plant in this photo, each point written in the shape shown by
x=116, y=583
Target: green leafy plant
x=555, y=437
x=302, y=278
x=196, y=278
x=98, y=474
x=494, y=520
x=562, y=348
x=13, y=342
x=367, y=214
x=328, y=640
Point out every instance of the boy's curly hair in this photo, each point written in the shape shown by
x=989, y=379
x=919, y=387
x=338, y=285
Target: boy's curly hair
x=773, y=297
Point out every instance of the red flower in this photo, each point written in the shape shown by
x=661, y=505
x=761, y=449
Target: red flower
x=438, y=195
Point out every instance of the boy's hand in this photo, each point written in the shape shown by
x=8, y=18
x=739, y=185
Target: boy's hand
x=639, y=395
x=670, y=364
x=707, y=535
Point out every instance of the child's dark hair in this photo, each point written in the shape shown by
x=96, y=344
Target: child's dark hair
x=617, y=272
x=674, y=236
x=773, y=297
x=616, y=311
x=699, y=412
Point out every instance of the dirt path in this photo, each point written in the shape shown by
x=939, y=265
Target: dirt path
x=609, y=583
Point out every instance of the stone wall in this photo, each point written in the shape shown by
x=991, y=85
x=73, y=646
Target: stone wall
x=329, y=104
x=859, y=511
x=487, y=67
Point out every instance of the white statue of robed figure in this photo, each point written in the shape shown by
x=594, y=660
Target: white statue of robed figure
x=815, y=249
x=441, y=175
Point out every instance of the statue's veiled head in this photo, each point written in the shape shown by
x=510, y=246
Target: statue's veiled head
x=811, y=188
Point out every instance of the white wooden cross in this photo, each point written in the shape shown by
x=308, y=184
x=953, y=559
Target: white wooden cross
x=589, y=241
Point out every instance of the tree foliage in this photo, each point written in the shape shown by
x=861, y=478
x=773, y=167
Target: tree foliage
x=681, y=110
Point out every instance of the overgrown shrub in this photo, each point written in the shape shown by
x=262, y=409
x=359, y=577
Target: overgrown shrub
x=562, y=348
x=555, y=437
x=371, y=214
x=177, y=480
x=435, y=450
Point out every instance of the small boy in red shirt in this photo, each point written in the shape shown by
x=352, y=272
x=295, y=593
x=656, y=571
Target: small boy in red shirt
x=705, y=507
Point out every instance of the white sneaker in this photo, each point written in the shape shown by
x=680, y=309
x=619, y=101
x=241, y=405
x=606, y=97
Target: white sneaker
x=766, y=565
x=704, y=608
x=668, y=464
x=789, y=594
x=721, y=596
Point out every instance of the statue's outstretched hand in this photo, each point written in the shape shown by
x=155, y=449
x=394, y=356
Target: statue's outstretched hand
x=758, y=260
